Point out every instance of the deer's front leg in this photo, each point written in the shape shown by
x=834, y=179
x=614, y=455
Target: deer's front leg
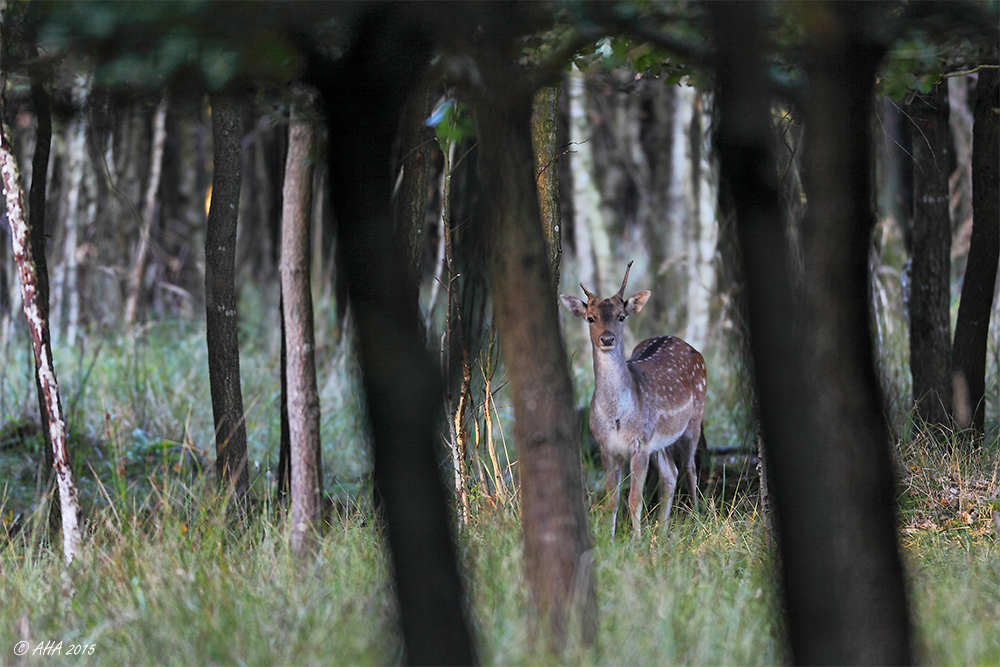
x=639, y=464
x=612, y=484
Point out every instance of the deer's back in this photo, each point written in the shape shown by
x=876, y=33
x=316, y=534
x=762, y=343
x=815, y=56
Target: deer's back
x=671, y=377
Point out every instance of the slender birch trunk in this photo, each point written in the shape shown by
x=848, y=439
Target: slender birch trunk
x=67, y=289
x=149, y=209
x=21, y=242
x=592, y=243
x=704, y=235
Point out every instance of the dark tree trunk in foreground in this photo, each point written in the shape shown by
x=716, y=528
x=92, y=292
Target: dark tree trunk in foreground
x=973, y=325
x=853, y=596
x=220, y=299
x=827, y=443
x=362, y=101
x=556, y=537
x=300, y=346
x=36, y=227
x=21, y=243
x=930, y=274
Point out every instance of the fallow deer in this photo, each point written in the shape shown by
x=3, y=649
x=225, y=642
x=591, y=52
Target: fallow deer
x=648, y=406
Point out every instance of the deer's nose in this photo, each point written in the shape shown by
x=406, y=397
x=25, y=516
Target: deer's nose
x=607, y=339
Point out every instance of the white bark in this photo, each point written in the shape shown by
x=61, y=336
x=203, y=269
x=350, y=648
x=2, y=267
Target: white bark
x=66, y=291
x=593, y=247
x=20, y=242
x=705, y=231
x=680, y=197
x=149, y=209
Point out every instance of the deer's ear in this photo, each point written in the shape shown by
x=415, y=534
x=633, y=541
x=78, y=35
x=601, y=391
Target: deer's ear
x=573, y=305
x=636, y=302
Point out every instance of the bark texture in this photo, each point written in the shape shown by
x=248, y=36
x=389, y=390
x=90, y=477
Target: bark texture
x=930, y=274
x=544, y=138
x=842, y=576
x=300, y=346
x=220, y=299
x=556, y=538
x=973, y=324
x=21, y=242
x=36, y=233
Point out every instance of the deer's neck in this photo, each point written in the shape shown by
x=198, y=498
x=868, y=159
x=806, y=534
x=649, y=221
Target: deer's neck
x=614, y=385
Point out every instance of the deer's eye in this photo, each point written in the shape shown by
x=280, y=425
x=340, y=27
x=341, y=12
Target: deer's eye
x=621, y=318
x=590, y=319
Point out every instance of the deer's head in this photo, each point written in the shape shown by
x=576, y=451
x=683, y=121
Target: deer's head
x=606, y=317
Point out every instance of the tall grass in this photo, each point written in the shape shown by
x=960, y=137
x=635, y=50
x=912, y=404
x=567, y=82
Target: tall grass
x=177, y=586
x=164, y=579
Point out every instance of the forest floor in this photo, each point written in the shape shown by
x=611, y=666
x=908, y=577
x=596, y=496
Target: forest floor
x=164, y=579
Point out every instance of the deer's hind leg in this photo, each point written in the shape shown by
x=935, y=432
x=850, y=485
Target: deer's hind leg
x=691, y=438
x=668, y=477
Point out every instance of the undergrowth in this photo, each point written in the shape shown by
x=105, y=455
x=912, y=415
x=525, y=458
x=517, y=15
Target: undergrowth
x=164, y=579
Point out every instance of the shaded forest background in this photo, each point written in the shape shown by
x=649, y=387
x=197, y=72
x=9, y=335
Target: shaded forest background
x=637, y=181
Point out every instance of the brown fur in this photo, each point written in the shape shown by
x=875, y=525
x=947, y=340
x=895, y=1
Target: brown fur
x=649, y=406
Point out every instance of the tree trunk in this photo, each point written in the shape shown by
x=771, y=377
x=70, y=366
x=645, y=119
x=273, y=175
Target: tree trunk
x=680, y=208
x=544, y=138
x=22, y=245
x=149, y=212
x=220, y=299
x=362, y=100
x=704, y=229
x=412, y=165
x=593, y=248
x=973, y=324
x=285, y=438
x=297, y=314
x=36, y=232
x=843, y=580
x=67, y=288
x=556, y=539
x=930, y=275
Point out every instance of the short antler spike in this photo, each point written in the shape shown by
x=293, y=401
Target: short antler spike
x=589, y=295
x=621, y=292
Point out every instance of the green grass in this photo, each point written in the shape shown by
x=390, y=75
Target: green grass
x=163, y=579
x=180, y=589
